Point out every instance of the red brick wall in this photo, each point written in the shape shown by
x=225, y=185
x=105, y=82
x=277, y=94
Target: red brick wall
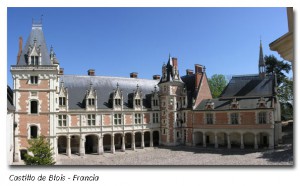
x=221, y=118
x=74, y=120
x=128, y=119
x=147, y=118
x=248, y=118
x=106, y=119
x=43, y=84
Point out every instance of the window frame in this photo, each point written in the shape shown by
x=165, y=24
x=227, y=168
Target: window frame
x=91, y=119
x=30, y=132
x=34, y=80
x=262, y=117
x=117, y=119
x=209, y=118
x=62, y=120
x=36, y=107
x=91, y=101
x=234, y=118
x=155, y=117
x=62, y=101
x=137, y=118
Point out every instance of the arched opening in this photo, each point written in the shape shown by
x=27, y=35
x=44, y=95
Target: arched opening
x=62, y=145
x=210, y=139
x=128, y=140
x=198, y=138
x=91, y=144
x=138, y=139
x=155, y=138
x=222, y=139
x=249, y=140
x=107, y=142
x=235, y=140
x=33, y=107
x=22, y=153
x=75, y=142
x=118, y=141
x=33, y=131
x=147, y=138
x=263, y=139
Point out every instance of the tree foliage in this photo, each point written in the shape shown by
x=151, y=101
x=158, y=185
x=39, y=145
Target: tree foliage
x=217, y=83
x=286, y=91
x=279, y=67
x=42, y=152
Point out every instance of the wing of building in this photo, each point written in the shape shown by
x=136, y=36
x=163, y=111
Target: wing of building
x=83, y=114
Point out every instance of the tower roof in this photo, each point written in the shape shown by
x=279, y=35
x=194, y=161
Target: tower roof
x=261, y=56
x=36, y=35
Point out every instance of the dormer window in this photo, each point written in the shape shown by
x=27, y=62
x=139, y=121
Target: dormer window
x=34, y=60
x=137, y=98
x=137, y=102
x=117, y=102
x=91, y=98
x=34, y=80
x=62, y=101
x=63, y=97
x=234, y=104
x=261, y=103
x=34, y=54
x=91, y=102
x=209, y=105
x=117, y=99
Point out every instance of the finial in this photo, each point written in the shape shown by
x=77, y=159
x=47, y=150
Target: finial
x=137, y=86
x=117, y=85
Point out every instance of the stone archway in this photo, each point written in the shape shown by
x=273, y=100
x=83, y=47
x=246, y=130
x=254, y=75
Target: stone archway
x=210, y=139
x=235, y=140
x=118, y=141
x=155, y=135
x=107, y=142
x=128, y=140
x=138, y=139
x=263, y=139
x=75, y=143
x=62, y=144
x=91, y=144
x=147, y=138
x=198, y=138
x=222, y=139
x=249, y=140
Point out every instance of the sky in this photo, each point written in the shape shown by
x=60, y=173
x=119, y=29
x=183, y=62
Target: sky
x=118, y=41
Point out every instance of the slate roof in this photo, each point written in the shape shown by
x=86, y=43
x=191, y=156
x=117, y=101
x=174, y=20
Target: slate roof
x=10, y=102
x=36, y=33
x=189, y=81
x=249, y=86
x=104, y=86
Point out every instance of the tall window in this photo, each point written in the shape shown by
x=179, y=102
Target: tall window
x=184, y=118
x=234, y=118
x=155, y=118
x=262, y=118
x=91, y=101
x=34, y=60
x=91, y=119
x=33, y=107
x=33, y=131
x=117, y=119
x=138, y=118
x=62, y=120
x=34, y=80
x=118, y=102
x=155, y=102
x=209, y=119
x=62, y=101
x=137, y=102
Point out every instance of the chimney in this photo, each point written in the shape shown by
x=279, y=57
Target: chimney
x=175, y=63
x=91, y=72
x=61, y=71
x=189, y=72
x=198, y=68
x=156, y=77
x=133, y=75
x=20, y=49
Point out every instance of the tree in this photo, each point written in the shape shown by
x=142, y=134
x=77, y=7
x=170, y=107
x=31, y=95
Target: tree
x=217, y=83
x=274, y=65
x=42, y=152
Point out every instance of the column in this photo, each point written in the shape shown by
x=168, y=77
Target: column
x=112, y=142
x=204, y=140
x=216, y=141
x=151, y=139
x=68, y=146
x=255, y=142
x=228, y=142
x=81, y=146
x=133, y=141
x=143, y=142
x=100, y=145
x=123, y=143
x=242, y=141
x=271, y=141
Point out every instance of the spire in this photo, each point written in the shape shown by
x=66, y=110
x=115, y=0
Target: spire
x=261, y=63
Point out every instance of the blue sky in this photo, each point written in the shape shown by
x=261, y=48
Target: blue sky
x=117, y=41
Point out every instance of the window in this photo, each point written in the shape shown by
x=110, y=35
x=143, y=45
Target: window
x=138, y=118
x=183, y=102
x=34, y=80
x=184, y=117
x=262, y=118
x=234, y=118
x=91, y=119
x=91, y=101
x=118, y=102
x=209, y=119
x=62, y=120
x=33, y=107
x=137, y=102
x=34, y=60
x=164, y=132
x=117, y=119
x=155, y=118
x=155, y=102
x=62, y=101
x=33, y=131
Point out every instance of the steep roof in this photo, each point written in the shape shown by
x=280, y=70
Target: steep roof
x=105, y=86
x=38, y=35
x=249, y=86
x=10, y=102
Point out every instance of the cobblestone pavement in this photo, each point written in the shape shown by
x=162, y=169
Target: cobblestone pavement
x=183, y=155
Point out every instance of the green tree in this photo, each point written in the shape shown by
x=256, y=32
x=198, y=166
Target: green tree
x=279, y=67
x=217, y=83
x=42, y=152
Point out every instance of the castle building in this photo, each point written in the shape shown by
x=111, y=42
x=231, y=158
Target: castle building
x=82, y=114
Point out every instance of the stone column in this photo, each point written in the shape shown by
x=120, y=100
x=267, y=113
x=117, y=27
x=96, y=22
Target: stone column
x=143, y=142
x=112, y=146
x=68, y=146
x=133, y=141
x=271, y=141
x=100, y=145
x=255, y=142
x=81, y=146
x=216, y=141
x=242, y=141
x=228, y=142
x=151, y=139
x=204, y=140
x=123, y=143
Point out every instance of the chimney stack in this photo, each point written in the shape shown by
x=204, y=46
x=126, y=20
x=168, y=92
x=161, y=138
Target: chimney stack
x=189, y=72
x=133, y=75
x=20, y=49
x=156, y=77
x=175, y=62
x=91, y=72
x=61, y=71
x=198, y=68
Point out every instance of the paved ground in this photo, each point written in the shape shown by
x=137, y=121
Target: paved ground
x=281, y=155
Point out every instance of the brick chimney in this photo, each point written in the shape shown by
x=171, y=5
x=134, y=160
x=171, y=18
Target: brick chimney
x=198, y=75
x=189, y=72
x=20, y=49
x=156, y=77
x=91, y=72
x=198, y=68
x=61, y=71
x=133, y=75
x=175, y=62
